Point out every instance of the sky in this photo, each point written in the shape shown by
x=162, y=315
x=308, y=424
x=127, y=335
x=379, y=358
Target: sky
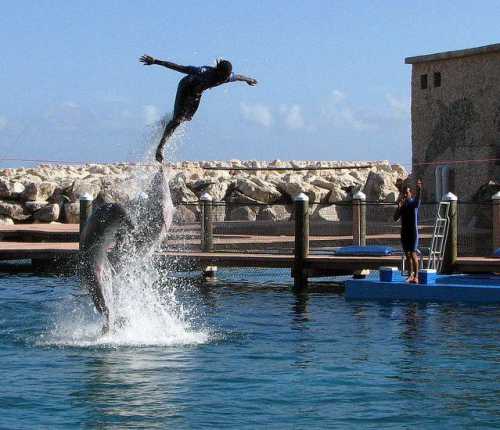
x=332, y=83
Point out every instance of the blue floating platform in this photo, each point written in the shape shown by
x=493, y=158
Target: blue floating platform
x=446, y=288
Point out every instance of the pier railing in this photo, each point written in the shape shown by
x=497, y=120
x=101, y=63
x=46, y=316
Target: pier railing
x=249, y=227
x=476, y=226
x=303, y=234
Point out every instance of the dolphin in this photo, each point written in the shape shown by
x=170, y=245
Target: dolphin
x=114, y=231
x=153, y=213
x=105, y=226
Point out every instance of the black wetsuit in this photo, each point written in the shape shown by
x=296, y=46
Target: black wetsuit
x=409, y=219
x=188, y=98
x=190, y=89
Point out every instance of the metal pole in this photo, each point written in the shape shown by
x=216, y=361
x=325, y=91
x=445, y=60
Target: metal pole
x=85, y=211
x=301, y=252
x=207, y=241
x=495, y=202
x=359, y=219
x=451, y=247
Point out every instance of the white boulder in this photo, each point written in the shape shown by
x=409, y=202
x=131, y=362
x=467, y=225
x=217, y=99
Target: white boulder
x=274, y=213
x=243, y=213
x=13, y=210
x=258, y=190
x=47, y=213
x=5, y=220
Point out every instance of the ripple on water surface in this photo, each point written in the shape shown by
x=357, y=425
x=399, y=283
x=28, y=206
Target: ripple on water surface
x=244, y=355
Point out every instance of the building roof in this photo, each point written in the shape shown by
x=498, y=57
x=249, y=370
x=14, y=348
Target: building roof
x=488, y=49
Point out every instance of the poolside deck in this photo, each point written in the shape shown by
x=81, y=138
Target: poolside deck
x=188, y=237
x=317, y=265
x=56, y=241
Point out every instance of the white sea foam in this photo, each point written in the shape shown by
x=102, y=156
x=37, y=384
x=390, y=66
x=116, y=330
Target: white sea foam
x=149, y=321
x=143, y=305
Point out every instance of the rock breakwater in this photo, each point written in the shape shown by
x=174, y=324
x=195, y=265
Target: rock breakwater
x=50, y=193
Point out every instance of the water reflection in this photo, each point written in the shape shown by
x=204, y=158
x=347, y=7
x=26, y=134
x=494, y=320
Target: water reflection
x=413, y=321
x=299, y=308
x=303, y=346
x=310, y=357
x=137, y=386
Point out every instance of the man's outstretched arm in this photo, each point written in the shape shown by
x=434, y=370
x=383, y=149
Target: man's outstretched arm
x=249, y=81
x=147, y=60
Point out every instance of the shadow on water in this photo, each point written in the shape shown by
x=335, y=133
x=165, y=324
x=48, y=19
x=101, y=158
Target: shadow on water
x=57, y=267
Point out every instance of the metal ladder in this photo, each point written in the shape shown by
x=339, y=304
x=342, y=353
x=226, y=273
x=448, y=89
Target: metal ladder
x=436, y=251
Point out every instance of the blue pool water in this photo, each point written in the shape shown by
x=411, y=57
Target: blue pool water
x=245, y=352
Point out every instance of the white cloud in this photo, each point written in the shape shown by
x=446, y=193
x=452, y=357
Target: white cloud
x=69, y=116
x=151, y=114
x=293, y=117
x=348, y=117
x=3, y=122
x=257, y=113
x=340, y=113
x=399, y=107
x=337, y=96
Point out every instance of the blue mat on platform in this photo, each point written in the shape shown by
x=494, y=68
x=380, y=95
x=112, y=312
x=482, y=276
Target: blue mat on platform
x=448, y=288
x=368, y=250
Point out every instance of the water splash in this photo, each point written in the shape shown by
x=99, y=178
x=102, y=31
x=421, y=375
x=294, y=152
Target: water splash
x=142, y=314
x=153, y=133
x=143, y=305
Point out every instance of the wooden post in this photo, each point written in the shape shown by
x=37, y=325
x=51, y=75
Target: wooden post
x=359, y=219
x=301, y=203
x=495, y=203
x=451, y=247
x=85, y=211
x=207, y=241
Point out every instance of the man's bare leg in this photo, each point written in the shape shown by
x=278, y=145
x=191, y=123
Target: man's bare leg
x=414, y=258
x=409, y=264
x=169, y=130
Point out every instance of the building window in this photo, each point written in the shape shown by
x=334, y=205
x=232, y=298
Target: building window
x=437, y=79
x=423, y=82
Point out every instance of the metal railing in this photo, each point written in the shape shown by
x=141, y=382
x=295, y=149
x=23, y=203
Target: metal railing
x=269, y=228
x=301, y=227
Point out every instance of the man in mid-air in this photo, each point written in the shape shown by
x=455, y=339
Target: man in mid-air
x=191, y=88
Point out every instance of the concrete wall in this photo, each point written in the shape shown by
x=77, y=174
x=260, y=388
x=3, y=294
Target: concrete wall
x=460, y=120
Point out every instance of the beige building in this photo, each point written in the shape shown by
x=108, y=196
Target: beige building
x=455, y=112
